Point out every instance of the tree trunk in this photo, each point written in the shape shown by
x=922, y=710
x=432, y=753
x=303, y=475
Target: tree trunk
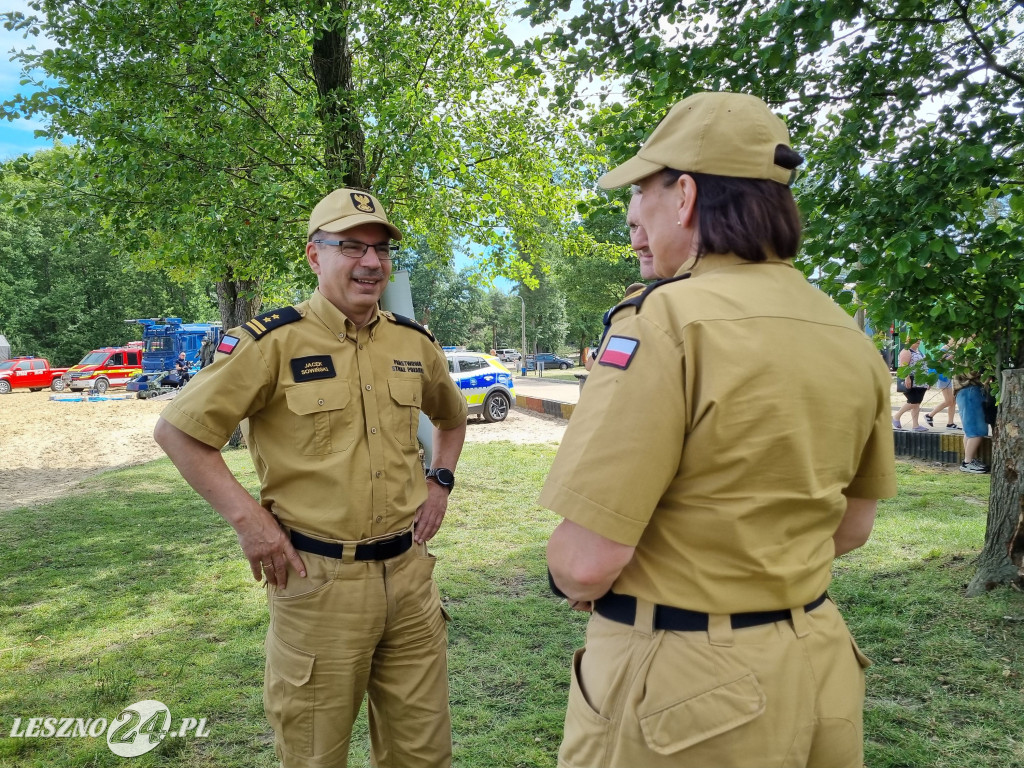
x=343, y=133
x=239, y=301
x=1002, y=558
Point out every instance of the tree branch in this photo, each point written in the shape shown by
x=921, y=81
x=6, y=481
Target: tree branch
x=986, y=51
x=259, y=115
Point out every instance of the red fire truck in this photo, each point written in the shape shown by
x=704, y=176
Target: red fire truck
x=32, y=373
x=105, y=368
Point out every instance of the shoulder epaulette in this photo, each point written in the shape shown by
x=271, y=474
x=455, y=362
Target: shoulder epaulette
x=409, y=323
x=638, y=299
x=265, y=322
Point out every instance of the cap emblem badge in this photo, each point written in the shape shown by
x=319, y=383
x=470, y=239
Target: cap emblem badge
x=363, y=203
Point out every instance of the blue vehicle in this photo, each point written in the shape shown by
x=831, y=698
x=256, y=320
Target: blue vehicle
x=550, y=361
x=164, y=339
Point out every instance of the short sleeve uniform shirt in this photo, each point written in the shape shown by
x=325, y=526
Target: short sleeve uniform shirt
x=724, y=425
x=332, y=413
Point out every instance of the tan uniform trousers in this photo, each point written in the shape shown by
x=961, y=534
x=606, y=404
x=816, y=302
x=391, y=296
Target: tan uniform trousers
x=784, y=694
x=352, y=628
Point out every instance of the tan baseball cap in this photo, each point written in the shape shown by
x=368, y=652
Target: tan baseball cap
x=725, y=134
x=347, y=208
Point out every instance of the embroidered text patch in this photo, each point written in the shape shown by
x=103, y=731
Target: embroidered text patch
x=312, y=368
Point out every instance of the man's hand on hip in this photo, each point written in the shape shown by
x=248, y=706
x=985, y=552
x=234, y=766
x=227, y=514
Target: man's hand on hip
x=267, y=548
x=431, y=513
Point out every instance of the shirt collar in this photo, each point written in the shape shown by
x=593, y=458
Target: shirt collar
x=335, y=319
x=711, y=262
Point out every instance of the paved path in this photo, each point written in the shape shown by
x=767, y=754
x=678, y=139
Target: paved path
x=548, y=389
x=558, y=391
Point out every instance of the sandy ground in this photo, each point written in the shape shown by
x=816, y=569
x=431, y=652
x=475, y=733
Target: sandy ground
x=48, y=447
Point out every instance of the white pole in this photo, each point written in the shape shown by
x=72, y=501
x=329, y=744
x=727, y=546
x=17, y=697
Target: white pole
x=397, y=297
x=522, y=361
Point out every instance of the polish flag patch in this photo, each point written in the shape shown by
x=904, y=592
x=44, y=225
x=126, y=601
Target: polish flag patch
x=619, y=352
x=227, y=345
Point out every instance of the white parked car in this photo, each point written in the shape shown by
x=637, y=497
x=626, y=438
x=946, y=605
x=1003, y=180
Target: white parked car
x=508, y=355
x=486, y=383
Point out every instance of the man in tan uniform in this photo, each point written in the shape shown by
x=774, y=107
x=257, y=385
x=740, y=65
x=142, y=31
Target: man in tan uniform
x=638, y=242
x=707, y=479
x=330, y=393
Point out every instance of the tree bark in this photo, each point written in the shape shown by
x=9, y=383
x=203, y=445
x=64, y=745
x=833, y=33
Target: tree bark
x=238, y=301
x=1002, y=559
x=344, y=140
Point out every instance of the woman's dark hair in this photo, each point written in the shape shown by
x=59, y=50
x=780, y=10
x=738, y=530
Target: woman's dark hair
x=748, y=217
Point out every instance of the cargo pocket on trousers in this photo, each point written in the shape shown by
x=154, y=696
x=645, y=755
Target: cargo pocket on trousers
x=587, y=732
x=288, y=695
x=698, y=718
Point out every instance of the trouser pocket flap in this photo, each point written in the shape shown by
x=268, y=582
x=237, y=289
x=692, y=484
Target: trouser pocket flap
x=289, y=663
x=701, y=717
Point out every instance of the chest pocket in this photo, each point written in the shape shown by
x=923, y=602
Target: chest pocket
x=406, y=399
x=324, y=421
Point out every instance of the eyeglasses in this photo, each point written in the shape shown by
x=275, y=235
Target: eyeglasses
x=354, y=249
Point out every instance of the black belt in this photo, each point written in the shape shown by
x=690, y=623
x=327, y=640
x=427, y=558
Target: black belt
x=375, y=550
x=622, y=608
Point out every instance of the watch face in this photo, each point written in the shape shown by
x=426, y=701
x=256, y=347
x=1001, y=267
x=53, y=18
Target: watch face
x=445, y=477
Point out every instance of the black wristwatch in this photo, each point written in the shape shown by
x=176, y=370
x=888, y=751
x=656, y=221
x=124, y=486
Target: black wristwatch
x=443, y=477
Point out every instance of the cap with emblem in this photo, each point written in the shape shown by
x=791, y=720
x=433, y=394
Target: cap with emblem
x=347, y=208
x=725, y=134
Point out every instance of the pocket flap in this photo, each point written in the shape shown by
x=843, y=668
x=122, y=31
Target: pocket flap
x=318, y=396
x=405, y=391
x=288, y=662
x=701, y=717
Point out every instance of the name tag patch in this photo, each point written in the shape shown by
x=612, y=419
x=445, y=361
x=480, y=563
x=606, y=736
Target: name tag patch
x=619, y=352
x=312, y=368
x=227, y=345
x=407, y=366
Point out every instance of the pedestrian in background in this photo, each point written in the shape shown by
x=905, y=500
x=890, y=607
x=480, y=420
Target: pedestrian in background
x=914, y=393
x=969, y=390
x=945, y=386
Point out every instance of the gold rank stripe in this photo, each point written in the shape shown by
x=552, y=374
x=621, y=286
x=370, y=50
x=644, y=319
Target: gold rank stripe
x=257, y=326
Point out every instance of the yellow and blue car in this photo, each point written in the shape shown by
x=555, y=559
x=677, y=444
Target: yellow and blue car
x=485, y=383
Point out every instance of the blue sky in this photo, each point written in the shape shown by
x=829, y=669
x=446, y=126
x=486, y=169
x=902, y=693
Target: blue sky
x=16, y=137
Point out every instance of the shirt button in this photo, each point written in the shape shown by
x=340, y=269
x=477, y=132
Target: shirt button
x=368, y=387
x=373, y=430
x=379, y=473
x=319, y=402
x=360, y=346
x=379, y=518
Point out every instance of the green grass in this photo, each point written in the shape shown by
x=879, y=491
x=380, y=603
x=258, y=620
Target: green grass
x=135, y=589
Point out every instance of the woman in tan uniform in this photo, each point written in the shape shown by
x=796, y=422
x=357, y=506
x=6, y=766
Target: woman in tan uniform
x=702, y=534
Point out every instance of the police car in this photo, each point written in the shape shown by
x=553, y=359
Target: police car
x=485, y=383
